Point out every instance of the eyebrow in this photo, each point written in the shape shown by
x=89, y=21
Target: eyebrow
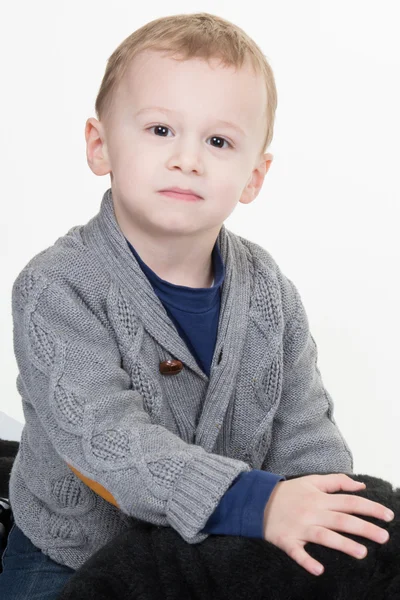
x=168, y=111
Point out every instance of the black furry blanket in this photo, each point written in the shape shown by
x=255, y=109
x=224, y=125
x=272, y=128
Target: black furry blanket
x=8, y=451
x=148, y=562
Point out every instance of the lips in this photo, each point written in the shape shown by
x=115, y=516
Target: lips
x=181, y=194
x=181, y=191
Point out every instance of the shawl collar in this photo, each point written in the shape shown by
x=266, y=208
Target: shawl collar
x=103, y=234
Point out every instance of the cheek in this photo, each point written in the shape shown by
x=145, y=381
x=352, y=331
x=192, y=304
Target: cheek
x=132, y=165
x=229, y=184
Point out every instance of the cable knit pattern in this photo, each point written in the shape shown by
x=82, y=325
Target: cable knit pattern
x=89, y=335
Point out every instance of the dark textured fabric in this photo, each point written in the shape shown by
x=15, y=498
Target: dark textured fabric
x=149, y=562
x=8, y=452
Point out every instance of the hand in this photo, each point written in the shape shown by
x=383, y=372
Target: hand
x=303, y=510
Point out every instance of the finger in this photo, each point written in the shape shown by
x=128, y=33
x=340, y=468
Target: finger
x=334, y=482
x=339, y=521
x=331, y=539
x=302, y=558
x=358, y=505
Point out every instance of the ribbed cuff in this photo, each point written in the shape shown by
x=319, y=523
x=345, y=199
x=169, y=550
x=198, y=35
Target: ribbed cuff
x=198, y=492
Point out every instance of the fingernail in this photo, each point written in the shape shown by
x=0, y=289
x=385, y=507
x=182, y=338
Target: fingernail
x=318, y=570
x=384, y=536
x=389, y=515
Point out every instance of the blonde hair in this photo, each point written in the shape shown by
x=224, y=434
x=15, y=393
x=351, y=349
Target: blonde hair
x=196, y=35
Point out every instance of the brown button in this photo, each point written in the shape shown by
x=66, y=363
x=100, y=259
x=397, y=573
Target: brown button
x=171, y=367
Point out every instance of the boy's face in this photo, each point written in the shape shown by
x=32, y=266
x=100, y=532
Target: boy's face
x=188, y=150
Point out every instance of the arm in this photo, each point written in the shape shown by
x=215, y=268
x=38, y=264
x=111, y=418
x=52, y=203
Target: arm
x=70, y=372
x=305, y=436
x=241, y=510
x=96, y=487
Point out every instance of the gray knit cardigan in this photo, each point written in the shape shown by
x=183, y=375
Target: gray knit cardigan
x=89, y=336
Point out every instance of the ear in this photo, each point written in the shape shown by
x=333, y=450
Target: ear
x=256, y=179
x=96, y=147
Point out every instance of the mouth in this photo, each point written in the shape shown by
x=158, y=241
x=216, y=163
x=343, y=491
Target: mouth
x=181, y=194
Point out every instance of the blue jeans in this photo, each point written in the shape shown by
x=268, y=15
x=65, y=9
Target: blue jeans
x=28, y=573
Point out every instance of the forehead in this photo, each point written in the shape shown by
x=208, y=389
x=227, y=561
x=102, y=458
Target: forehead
x=195, y=86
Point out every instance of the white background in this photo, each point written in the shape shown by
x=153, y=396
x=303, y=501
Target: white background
x=329, y=208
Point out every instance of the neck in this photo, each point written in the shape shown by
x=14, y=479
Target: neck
x=182, y=260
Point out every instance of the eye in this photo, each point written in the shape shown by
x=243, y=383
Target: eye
x=214, y=137
x=158, y=127
x=217, y=137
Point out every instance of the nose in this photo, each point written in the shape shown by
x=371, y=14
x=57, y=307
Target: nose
x=186, y=156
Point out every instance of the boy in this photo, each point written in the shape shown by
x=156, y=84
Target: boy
x=166, y=367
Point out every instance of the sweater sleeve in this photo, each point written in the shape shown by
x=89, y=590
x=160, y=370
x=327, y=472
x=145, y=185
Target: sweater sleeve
x=241, y=509
x=305, y=436
x=70, y=372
